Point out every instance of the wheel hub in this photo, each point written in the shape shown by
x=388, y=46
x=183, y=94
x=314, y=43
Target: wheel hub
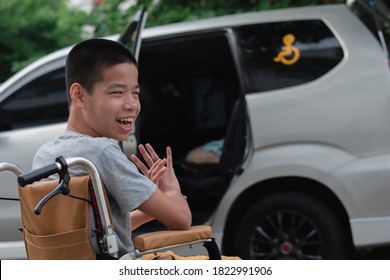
x=286, y=248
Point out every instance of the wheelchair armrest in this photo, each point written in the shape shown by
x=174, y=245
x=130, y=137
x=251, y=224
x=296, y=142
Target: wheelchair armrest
x=171, y=238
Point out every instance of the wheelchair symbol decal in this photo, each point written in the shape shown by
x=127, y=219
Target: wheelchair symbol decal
x=289, y=53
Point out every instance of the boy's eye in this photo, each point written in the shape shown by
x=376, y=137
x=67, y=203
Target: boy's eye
x=116, y=92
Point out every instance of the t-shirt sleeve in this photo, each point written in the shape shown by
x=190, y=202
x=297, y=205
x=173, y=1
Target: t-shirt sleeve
x=127, y=186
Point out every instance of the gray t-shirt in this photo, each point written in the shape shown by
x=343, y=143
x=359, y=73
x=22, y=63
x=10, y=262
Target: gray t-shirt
x=126, y=187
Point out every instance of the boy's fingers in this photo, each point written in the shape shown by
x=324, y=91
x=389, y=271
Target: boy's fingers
x=157, y=170
x=157, y=176
x=158, y=165
x=146, y=155
x=139, y=164
x=169, y=156
x=152, y=152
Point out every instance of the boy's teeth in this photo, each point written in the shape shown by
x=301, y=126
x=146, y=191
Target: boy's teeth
x=125, y=120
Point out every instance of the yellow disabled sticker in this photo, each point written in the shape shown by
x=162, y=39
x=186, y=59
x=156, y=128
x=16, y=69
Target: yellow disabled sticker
x=289, y=53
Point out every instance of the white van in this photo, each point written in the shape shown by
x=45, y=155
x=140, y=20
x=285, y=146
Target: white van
x=301, y=99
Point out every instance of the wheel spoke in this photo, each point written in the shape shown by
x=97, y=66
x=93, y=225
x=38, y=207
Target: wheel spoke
x=262, y=232
x=312, y=257
x=309, y=235
x=263, y=255
x=271, y=222
x=293, y=221
x=300, y=224
x=280, y=220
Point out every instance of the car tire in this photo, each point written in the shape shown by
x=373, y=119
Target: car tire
x=291, y=225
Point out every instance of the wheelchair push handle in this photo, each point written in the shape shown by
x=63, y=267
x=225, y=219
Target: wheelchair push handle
x=38, y=174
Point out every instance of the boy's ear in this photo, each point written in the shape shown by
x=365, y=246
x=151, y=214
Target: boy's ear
x=76, y=93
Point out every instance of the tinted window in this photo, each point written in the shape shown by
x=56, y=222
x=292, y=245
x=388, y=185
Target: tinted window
x=42, y=101
x=283, y=54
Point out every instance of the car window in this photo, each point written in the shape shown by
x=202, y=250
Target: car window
x=284, y=54
x=40, y=102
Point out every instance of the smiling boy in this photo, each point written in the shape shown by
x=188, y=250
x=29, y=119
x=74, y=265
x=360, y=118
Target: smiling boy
x=103, y=93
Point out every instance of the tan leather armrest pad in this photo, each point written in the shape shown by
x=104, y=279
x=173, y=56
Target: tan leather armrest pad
x=159, y=239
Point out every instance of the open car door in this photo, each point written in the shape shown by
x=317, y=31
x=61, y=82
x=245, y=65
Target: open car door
x=131, y=38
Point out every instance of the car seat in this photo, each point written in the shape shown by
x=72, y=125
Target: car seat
x=70, y=218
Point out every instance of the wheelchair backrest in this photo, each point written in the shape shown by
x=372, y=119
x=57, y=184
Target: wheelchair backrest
x=62, y=229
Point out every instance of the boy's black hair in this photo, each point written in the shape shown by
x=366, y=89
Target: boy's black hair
x=87, y=59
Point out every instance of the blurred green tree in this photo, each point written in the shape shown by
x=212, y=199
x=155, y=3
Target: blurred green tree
x=30, y=29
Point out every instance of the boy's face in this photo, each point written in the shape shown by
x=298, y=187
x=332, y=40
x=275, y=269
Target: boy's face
x=113, y=105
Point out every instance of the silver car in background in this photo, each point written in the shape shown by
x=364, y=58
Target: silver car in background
x=301, y=98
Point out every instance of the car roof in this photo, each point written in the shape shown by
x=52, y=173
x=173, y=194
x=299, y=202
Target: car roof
x=335, y=12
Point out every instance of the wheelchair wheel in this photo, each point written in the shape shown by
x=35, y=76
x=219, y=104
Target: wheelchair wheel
x=291, y=226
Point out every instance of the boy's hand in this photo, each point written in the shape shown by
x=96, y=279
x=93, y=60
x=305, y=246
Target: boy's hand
x=154, y=172
x=163, y=176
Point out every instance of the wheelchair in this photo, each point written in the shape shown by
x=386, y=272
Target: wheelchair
x=70, y=218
